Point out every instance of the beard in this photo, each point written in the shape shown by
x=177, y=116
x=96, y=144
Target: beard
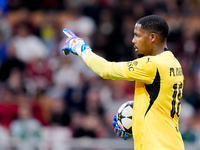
x=140, y=55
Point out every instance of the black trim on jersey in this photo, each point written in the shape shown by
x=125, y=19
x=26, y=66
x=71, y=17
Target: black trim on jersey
x=153, y=90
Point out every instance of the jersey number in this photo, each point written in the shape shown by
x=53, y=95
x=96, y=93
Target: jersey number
x=176, y=98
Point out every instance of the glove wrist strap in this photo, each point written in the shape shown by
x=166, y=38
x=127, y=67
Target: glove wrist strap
x=85, y=53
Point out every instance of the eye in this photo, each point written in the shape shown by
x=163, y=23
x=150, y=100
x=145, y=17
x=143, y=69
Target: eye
x=136, y=35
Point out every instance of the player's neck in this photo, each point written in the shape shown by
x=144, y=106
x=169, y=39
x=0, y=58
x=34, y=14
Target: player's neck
x=159, y=48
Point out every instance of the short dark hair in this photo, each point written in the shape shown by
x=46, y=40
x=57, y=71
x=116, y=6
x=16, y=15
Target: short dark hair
x=155, y=23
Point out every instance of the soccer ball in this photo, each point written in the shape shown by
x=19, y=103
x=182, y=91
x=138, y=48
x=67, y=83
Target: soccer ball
x=124, y=116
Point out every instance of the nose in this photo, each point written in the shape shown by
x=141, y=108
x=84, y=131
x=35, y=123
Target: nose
x=133, y=40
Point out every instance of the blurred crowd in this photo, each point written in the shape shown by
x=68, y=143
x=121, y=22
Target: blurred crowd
x=41, y=88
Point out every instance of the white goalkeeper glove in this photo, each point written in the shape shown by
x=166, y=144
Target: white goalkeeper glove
x=75, y=45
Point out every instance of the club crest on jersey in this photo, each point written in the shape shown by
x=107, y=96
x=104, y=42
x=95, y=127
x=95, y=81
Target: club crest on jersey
x=130, y=65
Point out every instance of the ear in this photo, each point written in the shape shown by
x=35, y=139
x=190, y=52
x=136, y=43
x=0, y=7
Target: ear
x=153, y=37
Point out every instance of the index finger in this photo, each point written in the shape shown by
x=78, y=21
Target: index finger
x=69, y=33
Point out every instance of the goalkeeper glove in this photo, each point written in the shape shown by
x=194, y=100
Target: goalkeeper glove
x=119, y=131
x=74, y=44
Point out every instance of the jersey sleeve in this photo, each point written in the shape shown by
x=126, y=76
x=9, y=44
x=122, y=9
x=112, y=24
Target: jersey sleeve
x=142, y=69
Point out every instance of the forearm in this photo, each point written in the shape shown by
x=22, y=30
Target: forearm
x=104, y=68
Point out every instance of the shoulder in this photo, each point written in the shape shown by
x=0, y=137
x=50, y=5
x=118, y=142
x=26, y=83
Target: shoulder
x=147, y=62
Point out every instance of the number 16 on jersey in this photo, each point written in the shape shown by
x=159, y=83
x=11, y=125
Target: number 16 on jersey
x=177, y=94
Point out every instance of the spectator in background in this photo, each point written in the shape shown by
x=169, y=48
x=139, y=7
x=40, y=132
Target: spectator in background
x=34, y=46
x=16, y=82
x=59, y=113
x=65, y=69
x=3, y=48
x=41, y=105
x=12, y=62
x=3, y=7
x=4, y=139
x=25, y=129
x=93, y=105
x=87, y=125
x=8, y=106
x=89, y=121
x=38, y=75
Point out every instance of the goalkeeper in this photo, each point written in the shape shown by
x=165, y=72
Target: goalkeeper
x=158, y=88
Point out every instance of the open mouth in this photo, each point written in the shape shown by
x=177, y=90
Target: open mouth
x=135, y=47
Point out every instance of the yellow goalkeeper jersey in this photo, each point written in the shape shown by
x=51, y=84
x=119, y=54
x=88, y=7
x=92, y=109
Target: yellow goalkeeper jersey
x=158, y=90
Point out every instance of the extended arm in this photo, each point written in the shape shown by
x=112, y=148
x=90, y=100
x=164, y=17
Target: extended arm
x=142, y=69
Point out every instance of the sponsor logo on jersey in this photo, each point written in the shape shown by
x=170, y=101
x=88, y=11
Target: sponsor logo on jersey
x=148, y=60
